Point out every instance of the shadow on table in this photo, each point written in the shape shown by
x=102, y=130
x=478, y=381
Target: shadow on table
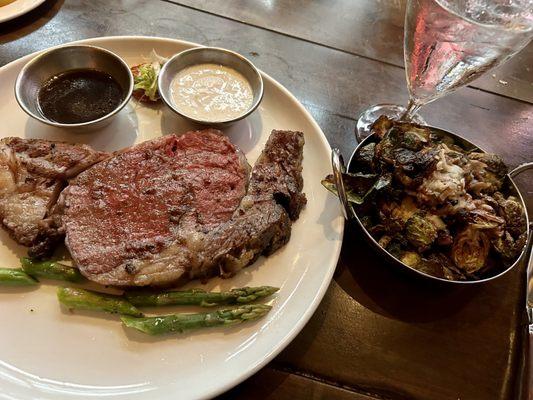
x=266, y=384
x=391, y=292
x=31, y=21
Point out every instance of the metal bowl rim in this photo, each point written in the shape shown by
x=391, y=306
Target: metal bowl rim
x=389, y=256
x=36, y=59
x=250, y=110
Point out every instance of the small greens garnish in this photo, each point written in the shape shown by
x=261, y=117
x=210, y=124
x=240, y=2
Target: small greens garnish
x=146, y=76
x=146, y=80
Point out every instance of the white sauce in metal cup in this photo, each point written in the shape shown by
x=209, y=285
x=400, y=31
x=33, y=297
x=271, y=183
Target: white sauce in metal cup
x=211, y=92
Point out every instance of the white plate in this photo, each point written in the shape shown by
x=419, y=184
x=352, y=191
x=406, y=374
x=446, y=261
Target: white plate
x=18, y=8
x=48, y=353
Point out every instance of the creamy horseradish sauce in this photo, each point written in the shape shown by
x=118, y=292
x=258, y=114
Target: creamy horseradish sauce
x=211, y=92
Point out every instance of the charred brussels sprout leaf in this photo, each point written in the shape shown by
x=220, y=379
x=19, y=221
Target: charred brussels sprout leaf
x=364, y=157
x=414, y=163
x=513, y=214
x=383, y=183
x=410, y=136
x=357, y=186
x=415, y=138
x=420, y=231
x=381, y=126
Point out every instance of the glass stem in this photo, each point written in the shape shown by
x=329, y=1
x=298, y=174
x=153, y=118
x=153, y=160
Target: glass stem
x=411, y=110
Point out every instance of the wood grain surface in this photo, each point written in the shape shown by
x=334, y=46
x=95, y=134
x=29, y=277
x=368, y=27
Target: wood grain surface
x=378, y=333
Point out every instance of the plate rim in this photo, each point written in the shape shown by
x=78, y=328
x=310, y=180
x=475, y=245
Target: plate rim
x=20, y=12
x=319, y=294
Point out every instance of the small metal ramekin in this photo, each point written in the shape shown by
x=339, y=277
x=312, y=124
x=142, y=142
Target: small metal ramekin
x=63, y=59
x=210, y=55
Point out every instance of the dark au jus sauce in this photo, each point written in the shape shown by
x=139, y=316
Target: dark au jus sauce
x=79, y=95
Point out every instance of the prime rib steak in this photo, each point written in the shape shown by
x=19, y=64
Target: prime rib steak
x=32, y=174
x=182, y=207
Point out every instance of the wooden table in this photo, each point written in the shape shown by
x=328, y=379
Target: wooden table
x=377, y=334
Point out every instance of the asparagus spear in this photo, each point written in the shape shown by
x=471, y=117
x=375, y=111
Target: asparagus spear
x=16, y=277
x=87, y=300
x=51, y=270
x=183, y=322
x=199, y=297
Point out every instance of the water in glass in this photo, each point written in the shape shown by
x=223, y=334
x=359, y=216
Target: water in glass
x=449, y=43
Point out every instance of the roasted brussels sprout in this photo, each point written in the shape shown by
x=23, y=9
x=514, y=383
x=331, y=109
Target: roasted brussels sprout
x=485, y=173
x=493, y=163
x=411, y=167
x=393, y=216
x=513, y=214
x=405, y=209
x=420, y=231
x=409, y=136
x=470, y=249
x=395, y=249
x=437, y=264
x=410, y=258
x=401, y=147
x=508, y=247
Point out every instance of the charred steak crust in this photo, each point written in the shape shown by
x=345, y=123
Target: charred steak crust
x=32, y=174
x=124, y=216
x=278, y=172
x=262, y=224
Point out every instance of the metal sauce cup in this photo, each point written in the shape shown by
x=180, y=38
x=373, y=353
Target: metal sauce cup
x=66, y=58
x=210, y=55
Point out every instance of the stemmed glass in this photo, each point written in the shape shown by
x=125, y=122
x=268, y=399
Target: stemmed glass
x=448, y=44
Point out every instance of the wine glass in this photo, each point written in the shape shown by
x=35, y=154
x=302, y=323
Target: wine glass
x=448, y=44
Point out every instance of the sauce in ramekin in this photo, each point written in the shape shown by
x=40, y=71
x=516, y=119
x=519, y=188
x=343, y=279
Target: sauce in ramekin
x=211, y=92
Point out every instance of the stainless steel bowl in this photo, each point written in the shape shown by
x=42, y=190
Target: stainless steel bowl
x=210, y=55
x=350, y=213
x=62, y=59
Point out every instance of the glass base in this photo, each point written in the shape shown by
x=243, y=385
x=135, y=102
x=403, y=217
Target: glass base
x=367, y=118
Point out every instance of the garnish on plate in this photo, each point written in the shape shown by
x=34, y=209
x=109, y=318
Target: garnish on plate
x=145, y=78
